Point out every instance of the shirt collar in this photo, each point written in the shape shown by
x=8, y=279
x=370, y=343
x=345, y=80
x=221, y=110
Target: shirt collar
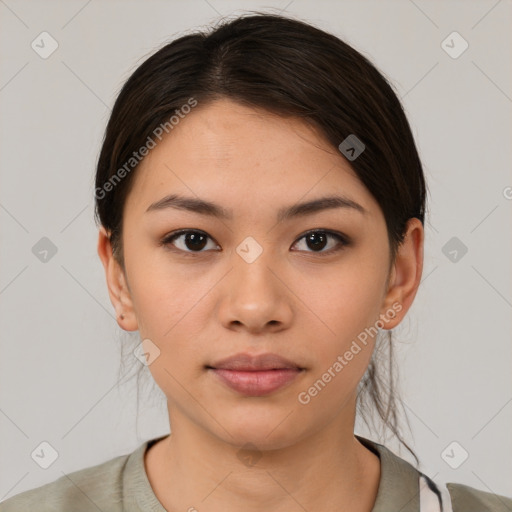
x=398, y=487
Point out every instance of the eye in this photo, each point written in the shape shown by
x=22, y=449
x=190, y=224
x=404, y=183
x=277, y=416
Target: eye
x=187, y=240
x=193, y=241
x=318, y=240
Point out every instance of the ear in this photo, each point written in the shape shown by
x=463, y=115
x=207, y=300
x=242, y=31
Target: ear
x=117, y=284
x=405, y=276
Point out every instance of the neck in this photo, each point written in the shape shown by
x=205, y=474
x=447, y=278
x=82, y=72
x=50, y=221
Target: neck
x=330, y=469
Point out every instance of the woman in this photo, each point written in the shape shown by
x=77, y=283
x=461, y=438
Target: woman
x=261, y=205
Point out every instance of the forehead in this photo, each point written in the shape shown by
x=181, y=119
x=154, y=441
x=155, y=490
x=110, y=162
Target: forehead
x=244, y=157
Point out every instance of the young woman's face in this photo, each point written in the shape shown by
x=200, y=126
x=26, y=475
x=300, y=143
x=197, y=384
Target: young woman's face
x=253, y=282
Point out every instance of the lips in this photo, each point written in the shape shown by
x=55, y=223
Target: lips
x=255, y=375
x=246, y=362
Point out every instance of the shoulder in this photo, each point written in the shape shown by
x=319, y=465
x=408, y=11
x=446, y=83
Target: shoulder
x=399, y=484
x=468, y=499
x=95, y=488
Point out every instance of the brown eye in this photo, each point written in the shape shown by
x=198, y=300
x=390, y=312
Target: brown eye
x=188, y=240
x=319, y=240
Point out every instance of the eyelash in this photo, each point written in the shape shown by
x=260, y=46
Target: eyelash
x=168, y=239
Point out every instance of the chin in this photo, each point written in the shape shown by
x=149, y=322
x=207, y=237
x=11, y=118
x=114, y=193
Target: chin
x=269, y=431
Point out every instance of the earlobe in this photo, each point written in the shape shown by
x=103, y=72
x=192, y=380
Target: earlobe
x=405, y=276
x=116, y=283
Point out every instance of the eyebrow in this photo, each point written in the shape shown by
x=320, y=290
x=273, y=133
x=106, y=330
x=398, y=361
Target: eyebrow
x=203, y=207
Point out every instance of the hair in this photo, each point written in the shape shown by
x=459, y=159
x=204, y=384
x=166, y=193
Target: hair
x=293, y=69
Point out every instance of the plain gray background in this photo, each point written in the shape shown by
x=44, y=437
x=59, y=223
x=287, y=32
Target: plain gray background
x=60, y=345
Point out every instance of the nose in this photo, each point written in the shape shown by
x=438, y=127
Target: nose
x=255, y=297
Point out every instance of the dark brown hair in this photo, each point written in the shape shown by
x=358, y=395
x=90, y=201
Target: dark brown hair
x=290, y=68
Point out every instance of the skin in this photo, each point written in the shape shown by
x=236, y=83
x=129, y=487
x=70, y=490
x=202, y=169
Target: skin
x=293, y=300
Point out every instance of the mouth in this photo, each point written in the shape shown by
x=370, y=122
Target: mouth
x=255, y=375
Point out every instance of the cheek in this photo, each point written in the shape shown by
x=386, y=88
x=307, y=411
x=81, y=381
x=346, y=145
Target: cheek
x=345, y=302
x=171, y=311
x=348, y=306
x=163, y=295
x=344, y=340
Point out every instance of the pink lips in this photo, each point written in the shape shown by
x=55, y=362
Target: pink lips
x=255, y=375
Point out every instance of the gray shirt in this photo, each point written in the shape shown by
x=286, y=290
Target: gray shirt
x=121, y=485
